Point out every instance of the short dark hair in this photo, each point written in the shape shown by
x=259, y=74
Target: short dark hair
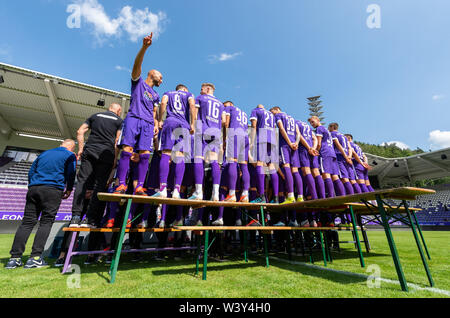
x=348, y=135
x=334, y=126
x=229, y=102
x=275, y=108
x=180, y=86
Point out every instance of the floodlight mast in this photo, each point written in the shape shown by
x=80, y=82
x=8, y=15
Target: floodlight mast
x=315, y=107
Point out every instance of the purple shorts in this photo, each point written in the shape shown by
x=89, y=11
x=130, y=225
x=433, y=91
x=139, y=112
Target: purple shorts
x=175, y=136
x=289, y=156
x=306, y=160
x=137, y=133
x=361, y=172
x=351, y=172
x=343, y=169
x=264, y=152
x=238, y=148
x=329, y=165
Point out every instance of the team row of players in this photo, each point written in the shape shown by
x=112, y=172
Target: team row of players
x=324, y=163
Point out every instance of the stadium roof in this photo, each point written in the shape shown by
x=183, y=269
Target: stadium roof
x=395, y=171
x=39, y=104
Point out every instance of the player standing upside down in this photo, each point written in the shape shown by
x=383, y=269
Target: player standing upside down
x=175, y=135
x=211, y=117
x=140, y=124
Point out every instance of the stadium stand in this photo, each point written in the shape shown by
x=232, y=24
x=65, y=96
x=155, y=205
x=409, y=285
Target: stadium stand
x=4, y=161
x=16, y=174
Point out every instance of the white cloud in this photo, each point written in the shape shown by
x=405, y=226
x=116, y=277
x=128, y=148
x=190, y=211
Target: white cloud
x=122, y=68
x=399, y=144
x=223, y=57
x=438, y=97
x=135, y=23
x=439, y=139
x=5, y=54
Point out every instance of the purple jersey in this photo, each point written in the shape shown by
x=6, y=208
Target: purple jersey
x=178, y=106
x=306, y=132
x=326, y=148
x=344, y=143
x=143, y=100
x=210, y=112
x=264, y=120
x=358, y=151
x=289, y=126
x=238, y=119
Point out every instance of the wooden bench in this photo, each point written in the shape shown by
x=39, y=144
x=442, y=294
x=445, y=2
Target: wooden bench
x=357, y=204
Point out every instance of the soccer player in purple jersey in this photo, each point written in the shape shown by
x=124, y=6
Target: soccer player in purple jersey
x=141, y=123
x=289, y=141
x=262, y=140
x=175, y=136
x=361, y=166
x=330, y=170
x=237, y=149
x=342, y=150
x=208, y=139
x=309, y=164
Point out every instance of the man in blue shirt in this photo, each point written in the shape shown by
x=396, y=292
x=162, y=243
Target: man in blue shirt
x=50, y=180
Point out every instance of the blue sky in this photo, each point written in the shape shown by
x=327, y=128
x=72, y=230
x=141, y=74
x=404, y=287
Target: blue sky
x=383, y=84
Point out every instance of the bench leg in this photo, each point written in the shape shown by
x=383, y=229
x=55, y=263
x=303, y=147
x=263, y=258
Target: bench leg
x=390, y=239
x=358, y=244
x=197, y=262
x=68, y=260
x=327, y=247
x=266, y=250
x=420, y=233
x=419, y=246
x=364, y=234
x=323, y=249
x=116, y=257
x=205, y=254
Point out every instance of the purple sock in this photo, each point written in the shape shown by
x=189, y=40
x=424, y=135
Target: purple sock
x=179, y=174
x=348, y=188
x=356, y=188
x=180, y=208
x=163, y=212
x=245, y=176
x=289, y=180
x=369, y=187
x=330, y=188
x=275, y=182
x=311, y=186
x=142, y=168
x=200, y=214
x=164, y=171
x=215, y=171
x=320, y=187
x=260, y=181
x=339, y=187
x=298, y=182
x=222, y=193
x=198, y=172
x=123, y=166
x=363, y=188
x=232, y=175
x=146, y=212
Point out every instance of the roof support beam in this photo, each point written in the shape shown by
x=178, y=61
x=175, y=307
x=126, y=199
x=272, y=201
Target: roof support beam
x=5, y=128
x=407, y=170
x=435, y=164
x=62, y=124
x=386, y=170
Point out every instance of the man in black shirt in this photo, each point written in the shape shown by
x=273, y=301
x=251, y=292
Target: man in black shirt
x=98, y=157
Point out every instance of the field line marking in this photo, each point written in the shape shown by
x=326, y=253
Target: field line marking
x=385, y=280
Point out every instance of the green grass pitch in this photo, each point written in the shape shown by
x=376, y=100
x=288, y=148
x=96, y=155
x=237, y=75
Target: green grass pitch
x=235, y=278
